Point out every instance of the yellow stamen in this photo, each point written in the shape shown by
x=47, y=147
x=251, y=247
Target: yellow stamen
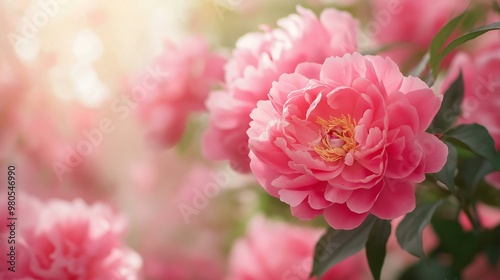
x=332, y=129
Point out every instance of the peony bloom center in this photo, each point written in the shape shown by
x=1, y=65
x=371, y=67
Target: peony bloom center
x=337, y=137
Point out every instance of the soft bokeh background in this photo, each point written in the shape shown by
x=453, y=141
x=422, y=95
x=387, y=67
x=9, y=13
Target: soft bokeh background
x=64, y=63
x=60, y=75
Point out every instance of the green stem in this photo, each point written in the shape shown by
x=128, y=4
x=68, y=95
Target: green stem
x=472, y=218
x=476, y=215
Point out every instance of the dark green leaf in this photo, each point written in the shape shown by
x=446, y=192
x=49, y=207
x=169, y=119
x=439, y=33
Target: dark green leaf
x=477, y=139
x=447, y=174
x=493, y=245
x=462, y=246
x=487, y=194
x=376, y=246
x=462, y=39
x=409, y=231
x=337, y=245
x=439, y=40
x=472, y=170
x=433, y=269
x=451, y=107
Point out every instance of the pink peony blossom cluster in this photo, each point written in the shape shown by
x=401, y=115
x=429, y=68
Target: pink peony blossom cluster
x=177, y=84
x=346, y=139
x=257, y=61
x=72, y=240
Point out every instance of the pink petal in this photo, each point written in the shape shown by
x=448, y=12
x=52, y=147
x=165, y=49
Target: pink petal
x=401, y=112
x=317, y=200
x=292, y=197
x=386, y=71
x=346, y=101
x=341, y=71
x=402, y=164
x=304, y=211
x=309, y=70
x=362, y=200
x=426, y=104
x=357, y=173
x=396, y=199
x=338, y=216
x=436, y=152
x=263, y=174
x=290, y=181
x=337, y=195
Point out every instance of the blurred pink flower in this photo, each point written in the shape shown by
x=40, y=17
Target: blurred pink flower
x=482, y=269
x=52, y=158
x=190, y=228
x=345, y=139
x=175, y=85
x=72, y=240
x=276, y=250
x=414, y=23
x=334, y=2
x=481, y=74
x=258, y=60
x=182, y=268
x=489, y=217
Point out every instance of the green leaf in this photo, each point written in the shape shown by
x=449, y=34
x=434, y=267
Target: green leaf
x=471, y=172
x=477, y=139
x=487, y=194
x=433, y=269
x=337, y=245
x=462, y=39
x=409, y=231
x=376, y=246
x=492, y=249
x=462, y=246
x=451, y=107
x=439, y=40
x=447, y=174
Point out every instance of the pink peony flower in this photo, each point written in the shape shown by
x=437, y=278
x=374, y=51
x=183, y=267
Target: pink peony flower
x=414, y=23
x=345, y=139
x=176, y=85
x=481, y=74
x=258, y=60
x=72, y=240
x=275, y=250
